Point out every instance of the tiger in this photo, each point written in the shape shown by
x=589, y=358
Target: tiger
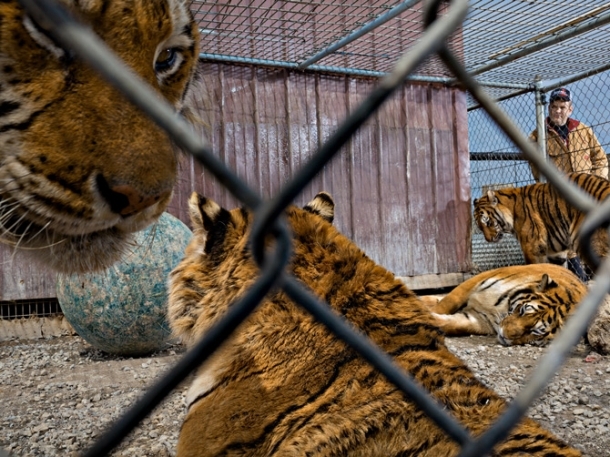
x=545, y=224
x=82, y=169
x=282, y=384
x=521, y=304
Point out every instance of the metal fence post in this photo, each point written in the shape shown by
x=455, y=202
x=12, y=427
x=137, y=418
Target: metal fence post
x=541, y=125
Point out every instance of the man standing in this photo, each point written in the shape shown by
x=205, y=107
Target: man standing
x=571, y=145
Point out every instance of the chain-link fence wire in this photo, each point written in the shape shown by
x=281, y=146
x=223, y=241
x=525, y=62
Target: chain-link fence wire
x=495, y=161
x=280, y=34
x=268, y=220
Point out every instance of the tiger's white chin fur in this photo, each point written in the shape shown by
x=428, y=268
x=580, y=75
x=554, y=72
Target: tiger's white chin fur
x=87, y=253
x=76, y=247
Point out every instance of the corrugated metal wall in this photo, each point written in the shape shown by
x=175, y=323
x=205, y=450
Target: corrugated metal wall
x=401, y=186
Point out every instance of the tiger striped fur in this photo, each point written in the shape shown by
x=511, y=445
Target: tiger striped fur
x=545, y=224
x=81, y=168
x=282, y=385
x=521, y=304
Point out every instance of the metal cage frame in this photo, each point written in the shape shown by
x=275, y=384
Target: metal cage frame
x=268, y=222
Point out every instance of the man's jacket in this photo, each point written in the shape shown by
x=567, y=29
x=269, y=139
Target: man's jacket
x=581, y=152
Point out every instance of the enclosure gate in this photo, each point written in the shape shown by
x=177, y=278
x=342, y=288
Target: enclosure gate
x=269, y=222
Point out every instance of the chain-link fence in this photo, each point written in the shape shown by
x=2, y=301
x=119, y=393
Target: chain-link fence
x=495, y=161
x=267, y=222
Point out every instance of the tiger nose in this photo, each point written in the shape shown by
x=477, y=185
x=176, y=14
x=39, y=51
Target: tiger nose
x=125, y=199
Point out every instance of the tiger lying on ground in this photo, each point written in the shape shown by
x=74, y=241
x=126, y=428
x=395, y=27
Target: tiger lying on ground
x=80, y=167
x=544, y=223
x=521, y=304
x=283, y=385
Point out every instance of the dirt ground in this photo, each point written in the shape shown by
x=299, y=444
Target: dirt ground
x=58, y=394
x=575, y=405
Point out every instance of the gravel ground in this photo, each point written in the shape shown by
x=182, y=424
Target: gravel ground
x=58, y=394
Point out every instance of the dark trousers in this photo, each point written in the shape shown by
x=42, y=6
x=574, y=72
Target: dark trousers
x=576, y=267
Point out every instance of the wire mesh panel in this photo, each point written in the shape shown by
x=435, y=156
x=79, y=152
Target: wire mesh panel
x=496, y=162
x=508, y=42
x=591, y=99
x=268, y=221
x=297, y=34
x=512, y=43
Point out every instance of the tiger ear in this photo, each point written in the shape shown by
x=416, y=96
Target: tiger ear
x=492, y=197
x=545, y=283
x=322, y=205
x=203, y=212
x=209, y=221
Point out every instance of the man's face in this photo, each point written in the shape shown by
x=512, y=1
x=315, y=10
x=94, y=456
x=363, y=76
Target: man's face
x=559, y=112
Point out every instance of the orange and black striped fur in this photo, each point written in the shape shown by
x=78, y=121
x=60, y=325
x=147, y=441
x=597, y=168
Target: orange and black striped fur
x=283, y=385
x=81, y=168
x=522, y=304
x=545, y=224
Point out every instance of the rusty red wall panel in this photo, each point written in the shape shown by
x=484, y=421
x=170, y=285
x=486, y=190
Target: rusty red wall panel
x=392, y=136
x=22, y=279
x=401, y=185
x=365, y=155
x=463, y=251
x=331, y=104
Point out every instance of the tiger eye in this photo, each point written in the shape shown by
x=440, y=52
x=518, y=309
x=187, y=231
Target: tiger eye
x=166, y=59
x=164, y=55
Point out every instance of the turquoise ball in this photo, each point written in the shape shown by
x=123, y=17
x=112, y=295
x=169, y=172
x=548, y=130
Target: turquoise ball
x=123, y=310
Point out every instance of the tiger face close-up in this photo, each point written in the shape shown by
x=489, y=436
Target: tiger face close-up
x=522, y=304
x=545, y=224
x=81, y=169
x=282, y=384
